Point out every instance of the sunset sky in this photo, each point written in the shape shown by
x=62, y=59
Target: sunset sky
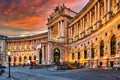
x=29, y=17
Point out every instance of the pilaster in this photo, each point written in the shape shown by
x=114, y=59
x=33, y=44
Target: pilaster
x=109, y=12
x=98, y=20
x=49, y=55
x=43, y=49
x=105, y=10
x=59, y=30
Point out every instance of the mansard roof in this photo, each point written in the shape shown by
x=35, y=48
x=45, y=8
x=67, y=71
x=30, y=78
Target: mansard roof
x=29, y=37
x=3, y=37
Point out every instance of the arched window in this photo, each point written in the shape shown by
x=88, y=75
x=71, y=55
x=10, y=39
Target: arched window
x=101, y=48
x=25, y=58
x=20, y=59
x=78, y=55
x=73, y=56
x=85, y=53
x=34, y=57
x=113, y=45
x=30, y=58
x=14, y=59
x=92, y=52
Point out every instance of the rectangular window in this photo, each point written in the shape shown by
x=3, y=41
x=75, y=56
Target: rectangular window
x=73, y=56
x=85, y=54
x=78, y=55
x=0, y=48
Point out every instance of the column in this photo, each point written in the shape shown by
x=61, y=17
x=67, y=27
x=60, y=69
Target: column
x=63, y=24
x=98, y=8
x=61, y=28
x=77, y=28
x=43, y=54
x=118, y=5
x=50, y=32
x=83, y=24
x=71, y=32
x=48, y=54
x=90, y=19
x=105, y=5
x=109, y=10
x=77, y=31
x=37, y=57
x=68, y=33
x=109, y=5
x=74, y=30
x=81, y=28
x=58, y=29
x=88, y=23
x=105, y=11
x=98, y=15
x=51, y=29
x=95, y=15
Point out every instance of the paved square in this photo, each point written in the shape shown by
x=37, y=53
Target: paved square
x=20, y=73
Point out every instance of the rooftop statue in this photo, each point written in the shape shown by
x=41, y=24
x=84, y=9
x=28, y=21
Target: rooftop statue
x=57, y=10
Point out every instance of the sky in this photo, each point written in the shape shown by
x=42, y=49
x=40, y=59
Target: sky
x=19, y=18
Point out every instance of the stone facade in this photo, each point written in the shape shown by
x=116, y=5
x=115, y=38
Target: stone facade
x=94, y=34
x=25, y=49
x=57, y=32
x=3, y=48
x=90, y=37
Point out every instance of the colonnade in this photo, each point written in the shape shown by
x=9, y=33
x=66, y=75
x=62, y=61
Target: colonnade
x=93, y=18
x=60, y=33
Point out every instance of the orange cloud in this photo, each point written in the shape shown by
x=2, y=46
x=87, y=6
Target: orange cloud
x=31, y=14
x=10, y=32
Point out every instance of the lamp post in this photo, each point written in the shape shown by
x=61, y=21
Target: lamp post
x=9, y=62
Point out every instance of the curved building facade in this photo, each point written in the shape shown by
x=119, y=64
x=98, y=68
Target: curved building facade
x=26, y=49
x=94, y=34
x=90, y=37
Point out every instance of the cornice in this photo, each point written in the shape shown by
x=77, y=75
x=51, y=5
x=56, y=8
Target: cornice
x=83, y=12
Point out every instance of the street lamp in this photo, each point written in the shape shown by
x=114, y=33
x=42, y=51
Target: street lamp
x=9, y=53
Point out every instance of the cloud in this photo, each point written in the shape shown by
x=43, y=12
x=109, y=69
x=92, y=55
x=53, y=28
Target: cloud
x=31, y=15
x=7, y=31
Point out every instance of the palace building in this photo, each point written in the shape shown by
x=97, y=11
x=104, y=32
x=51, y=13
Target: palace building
x=25, y=49
x=90, y=37
x=3, y=48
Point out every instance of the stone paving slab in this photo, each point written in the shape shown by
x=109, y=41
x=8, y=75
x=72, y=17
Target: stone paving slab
x=4, y=76
x=52, y=74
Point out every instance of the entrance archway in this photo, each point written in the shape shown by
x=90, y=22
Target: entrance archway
x=40, y=56
x=56, y=55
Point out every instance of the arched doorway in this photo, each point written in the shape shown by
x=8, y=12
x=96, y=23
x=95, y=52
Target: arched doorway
x=40, y=56
x=15, y=59
x=30, y=58
x=113, y=45
x=34, y=57
x=20, y=60
x=56, y=55
x=102, y=48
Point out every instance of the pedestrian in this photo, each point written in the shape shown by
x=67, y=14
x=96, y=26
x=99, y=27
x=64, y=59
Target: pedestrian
x=31, y=65
x=23, y=65
x=78, y=65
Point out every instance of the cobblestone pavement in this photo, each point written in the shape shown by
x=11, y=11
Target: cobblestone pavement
x=20, y=73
